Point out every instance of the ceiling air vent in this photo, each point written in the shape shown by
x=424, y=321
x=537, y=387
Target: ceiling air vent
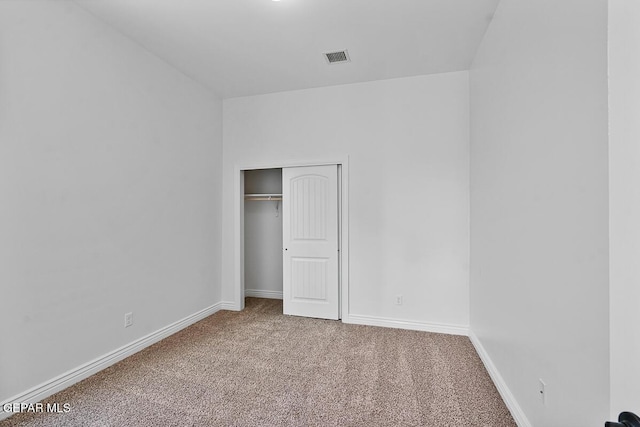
x=337, y=57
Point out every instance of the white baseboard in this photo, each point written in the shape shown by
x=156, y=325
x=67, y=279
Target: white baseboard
x=229, y=305
x=407, y=324
x=512, y=404
x=54, y=385
x=259, y=293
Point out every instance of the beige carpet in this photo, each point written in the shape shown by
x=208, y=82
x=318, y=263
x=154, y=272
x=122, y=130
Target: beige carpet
x=261, y=368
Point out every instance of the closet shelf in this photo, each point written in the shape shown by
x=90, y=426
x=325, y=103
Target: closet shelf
x=273, y=196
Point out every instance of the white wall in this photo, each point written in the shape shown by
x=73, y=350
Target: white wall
x=110, y=181
x=539, y=206
x=624, y=209
x=263, y=235
x=407, y=142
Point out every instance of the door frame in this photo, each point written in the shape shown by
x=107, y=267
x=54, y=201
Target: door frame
x=343, y=225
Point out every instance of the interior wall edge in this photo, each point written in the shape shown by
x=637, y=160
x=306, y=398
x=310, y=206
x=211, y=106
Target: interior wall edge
x=509, y=399
x=145, y=47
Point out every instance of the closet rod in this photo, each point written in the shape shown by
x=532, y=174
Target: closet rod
x=273, y=197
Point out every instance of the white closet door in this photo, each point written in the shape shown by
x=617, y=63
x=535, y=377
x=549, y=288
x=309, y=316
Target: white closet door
x=310, y=241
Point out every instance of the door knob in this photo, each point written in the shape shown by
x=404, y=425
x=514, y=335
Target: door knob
x=626, y=419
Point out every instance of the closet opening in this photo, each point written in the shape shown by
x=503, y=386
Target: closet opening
x=263, y=233
x=292, y=241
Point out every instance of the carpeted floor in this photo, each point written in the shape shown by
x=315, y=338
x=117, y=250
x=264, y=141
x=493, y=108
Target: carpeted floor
x=261, y=368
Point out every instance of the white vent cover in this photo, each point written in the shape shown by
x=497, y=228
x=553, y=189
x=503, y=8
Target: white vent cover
x=337, y=57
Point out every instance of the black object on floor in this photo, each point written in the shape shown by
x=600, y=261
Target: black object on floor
x=625, y=419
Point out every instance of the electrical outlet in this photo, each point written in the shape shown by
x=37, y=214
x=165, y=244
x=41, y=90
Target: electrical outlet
x=542, y=389
x=128, y=319
x=398, y=299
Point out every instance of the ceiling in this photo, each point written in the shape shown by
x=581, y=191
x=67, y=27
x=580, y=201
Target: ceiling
x=249, y=47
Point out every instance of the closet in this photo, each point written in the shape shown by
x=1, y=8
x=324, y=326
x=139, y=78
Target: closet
x=293, y=230
x=263, y=233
